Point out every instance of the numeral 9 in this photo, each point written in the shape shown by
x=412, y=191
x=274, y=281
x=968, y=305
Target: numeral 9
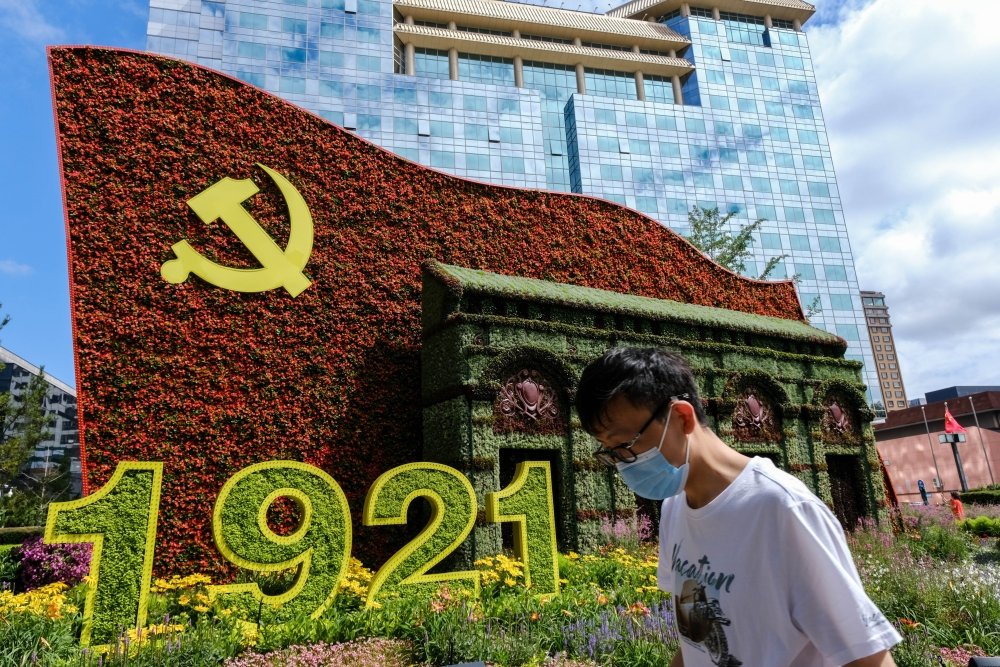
x=320, y=547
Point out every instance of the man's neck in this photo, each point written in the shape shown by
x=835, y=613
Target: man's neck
x=713, y=468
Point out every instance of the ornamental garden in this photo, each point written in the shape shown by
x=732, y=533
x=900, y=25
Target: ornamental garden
x=326, y=403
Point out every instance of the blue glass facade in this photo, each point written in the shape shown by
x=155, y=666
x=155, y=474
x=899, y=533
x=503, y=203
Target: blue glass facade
x=749, y=137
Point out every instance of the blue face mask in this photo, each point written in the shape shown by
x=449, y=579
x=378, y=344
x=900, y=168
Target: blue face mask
x=651, y=475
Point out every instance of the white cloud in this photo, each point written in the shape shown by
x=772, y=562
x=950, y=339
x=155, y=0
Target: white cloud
x=23, y=19
x=11, y=268
x=909, y=94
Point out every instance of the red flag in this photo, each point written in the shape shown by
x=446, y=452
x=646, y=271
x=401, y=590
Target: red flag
x=951, y=425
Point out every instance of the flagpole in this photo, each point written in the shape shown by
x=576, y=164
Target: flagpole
x=981, y=441
x=931, y=443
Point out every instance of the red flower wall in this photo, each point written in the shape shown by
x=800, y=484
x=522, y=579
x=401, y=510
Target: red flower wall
x=210, y=381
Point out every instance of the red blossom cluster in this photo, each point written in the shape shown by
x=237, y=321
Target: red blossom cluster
x=209, y=380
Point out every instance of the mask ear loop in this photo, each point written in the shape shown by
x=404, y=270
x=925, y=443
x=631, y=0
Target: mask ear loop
x=663, y=435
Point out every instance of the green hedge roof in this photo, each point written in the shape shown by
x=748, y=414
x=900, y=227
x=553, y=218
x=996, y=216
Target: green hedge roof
x=588, y=298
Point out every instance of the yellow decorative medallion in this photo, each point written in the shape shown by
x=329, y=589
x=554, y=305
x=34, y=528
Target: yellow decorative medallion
x=279, y=268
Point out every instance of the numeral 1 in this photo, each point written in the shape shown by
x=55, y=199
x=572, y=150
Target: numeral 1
x=527, y=501
x=119, y=520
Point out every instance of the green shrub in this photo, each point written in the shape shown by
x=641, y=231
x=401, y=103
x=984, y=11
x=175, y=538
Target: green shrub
x=982, y=526
x=986, y=496
x=941, y=543
x=14, y=536
x=8, y=565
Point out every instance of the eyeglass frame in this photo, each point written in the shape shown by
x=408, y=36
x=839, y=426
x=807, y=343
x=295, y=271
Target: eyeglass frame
x=610, y=456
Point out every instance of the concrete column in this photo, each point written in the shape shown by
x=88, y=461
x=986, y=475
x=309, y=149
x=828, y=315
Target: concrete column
x=408, y=20
x=685, y=9
x=678, y=93
x=673, y=53
x=452, y=56
x=411, y=60
x=581, y=80
x=797, y=24
x=715, y=14
x=518, y=64
x=640, y=87
x=768, y=23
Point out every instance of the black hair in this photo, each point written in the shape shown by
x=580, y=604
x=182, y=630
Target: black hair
x=646, y=376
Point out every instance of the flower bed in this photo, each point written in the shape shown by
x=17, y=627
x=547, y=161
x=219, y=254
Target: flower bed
x=946, y=603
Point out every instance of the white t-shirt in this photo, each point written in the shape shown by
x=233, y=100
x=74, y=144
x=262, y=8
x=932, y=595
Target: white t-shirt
x=762, y=577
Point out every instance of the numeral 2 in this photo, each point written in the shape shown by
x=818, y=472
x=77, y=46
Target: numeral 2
x=451, y=521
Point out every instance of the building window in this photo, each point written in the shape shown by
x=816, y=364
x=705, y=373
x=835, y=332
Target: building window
x=486, y=69
x=431, y=63
x=608, y=83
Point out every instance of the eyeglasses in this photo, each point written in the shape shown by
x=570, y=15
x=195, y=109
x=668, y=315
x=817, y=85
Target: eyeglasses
x=623, y=453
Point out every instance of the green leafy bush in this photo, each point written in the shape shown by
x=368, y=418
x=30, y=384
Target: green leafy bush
x=982, y=526
x=987, y=496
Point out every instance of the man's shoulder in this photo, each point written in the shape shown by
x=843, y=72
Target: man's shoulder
x=767, y=486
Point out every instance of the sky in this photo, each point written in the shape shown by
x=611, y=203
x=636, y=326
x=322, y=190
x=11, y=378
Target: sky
x=911, y=102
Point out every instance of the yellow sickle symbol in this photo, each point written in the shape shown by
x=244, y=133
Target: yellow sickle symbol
x=280, y=268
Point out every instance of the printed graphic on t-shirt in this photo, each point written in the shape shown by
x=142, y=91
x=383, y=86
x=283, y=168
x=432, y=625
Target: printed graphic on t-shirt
x=700, y=619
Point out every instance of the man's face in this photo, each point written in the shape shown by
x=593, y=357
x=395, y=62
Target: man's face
x=627, y=424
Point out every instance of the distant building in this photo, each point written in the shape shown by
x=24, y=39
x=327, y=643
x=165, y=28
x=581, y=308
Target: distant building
x=60, y=402
x=949, y=393
x=909, y=447
x=884, y=350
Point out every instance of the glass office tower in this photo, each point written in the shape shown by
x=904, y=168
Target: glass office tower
x=659, y=105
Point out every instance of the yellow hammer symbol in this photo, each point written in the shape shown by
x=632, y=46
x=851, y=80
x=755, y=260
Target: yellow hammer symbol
x=279, y=268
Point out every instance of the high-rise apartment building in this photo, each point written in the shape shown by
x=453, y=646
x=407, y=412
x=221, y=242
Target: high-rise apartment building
x=660, y=105
x=59, y=403
x=884, y=350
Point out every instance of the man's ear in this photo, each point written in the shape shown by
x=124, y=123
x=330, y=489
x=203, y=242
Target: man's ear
x=685, y=411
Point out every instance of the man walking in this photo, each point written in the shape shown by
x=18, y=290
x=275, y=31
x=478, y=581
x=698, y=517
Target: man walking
x=757, y=565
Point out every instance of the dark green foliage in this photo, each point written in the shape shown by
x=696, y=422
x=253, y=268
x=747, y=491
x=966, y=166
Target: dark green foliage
x=985, y=496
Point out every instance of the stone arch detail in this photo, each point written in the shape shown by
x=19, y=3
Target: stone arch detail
x=757, y=401
x=531, y=391
x=842, y=413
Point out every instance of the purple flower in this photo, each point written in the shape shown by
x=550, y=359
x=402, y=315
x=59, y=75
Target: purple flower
x=40, y=564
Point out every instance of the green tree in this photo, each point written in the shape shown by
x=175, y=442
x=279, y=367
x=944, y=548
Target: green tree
x=24, y=423
x=711, y=233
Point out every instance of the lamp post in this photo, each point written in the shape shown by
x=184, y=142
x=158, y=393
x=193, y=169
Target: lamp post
x=954, y=439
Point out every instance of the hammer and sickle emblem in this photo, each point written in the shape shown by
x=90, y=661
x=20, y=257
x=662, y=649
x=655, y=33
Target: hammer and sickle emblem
x=279, y=268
